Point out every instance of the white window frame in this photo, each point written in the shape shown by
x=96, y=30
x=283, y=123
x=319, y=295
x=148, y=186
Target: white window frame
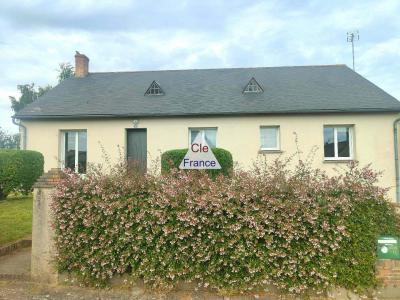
x=278, y=138
x=62, y=147
x=202, y=129
x=335, y=142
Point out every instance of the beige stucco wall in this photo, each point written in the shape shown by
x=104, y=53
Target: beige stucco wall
x=373, y=137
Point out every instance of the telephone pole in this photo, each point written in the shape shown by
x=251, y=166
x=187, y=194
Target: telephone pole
x=353, y=36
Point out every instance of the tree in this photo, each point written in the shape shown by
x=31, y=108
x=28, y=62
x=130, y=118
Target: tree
x=30, y=94
x=8, y=141
x=43, y=90
x=65, y=70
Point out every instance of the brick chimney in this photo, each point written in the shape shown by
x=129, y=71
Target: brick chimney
x=81, y=65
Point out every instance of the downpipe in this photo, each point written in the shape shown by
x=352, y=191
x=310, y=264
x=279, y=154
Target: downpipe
x=396, y=158
x=24, y=132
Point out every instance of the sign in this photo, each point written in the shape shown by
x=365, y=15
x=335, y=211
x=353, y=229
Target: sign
x=388, y=247
x=199, y=156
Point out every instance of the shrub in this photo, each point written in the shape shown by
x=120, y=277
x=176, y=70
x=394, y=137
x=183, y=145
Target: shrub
x=19, y=170
x=172, y=159
x=294, y=228
x=371, y=215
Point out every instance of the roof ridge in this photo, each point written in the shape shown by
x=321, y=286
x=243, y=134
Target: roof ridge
x=228, y=68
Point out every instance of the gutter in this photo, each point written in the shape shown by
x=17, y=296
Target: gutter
x=206, y=114
x=396, y=158
x=24, y=132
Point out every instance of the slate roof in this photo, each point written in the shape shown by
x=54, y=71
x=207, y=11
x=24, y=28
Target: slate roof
x=304, y=89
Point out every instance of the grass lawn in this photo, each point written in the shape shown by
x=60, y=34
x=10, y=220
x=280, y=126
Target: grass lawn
x=15, y=218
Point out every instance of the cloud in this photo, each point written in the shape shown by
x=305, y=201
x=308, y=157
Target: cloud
x=139, y=35
x=117, y=15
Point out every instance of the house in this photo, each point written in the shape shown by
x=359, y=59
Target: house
x=248, y=111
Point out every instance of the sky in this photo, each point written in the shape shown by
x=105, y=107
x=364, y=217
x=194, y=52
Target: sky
x=37, y=35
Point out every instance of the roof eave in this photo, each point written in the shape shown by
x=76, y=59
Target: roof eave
x=170, y=115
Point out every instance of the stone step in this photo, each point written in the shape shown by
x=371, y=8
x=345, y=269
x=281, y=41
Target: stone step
x=13, y=246
x=24, y=277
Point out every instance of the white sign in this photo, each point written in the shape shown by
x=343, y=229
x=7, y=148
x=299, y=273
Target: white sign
x=199, y=156
x=388, y=241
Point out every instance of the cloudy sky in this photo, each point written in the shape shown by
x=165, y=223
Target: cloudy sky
x=35, y=36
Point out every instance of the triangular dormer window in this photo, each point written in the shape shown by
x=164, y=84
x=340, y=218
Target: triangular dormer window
x=154, y=90
x=253, y=87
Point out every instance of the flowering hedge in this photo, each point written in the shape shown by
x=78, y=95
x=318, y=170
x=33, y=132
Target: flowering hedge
x=294, y=228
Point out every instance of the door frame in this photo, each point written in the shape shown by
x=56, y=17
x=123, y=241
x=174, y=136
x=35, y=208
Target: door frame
x=126, y=142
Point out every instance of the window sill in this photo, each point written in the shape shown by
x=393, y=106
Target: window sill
x=335, y=161
x=265, y=151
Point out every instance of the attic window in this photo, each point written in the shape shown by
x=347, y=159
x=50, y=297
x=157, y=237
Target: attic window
x=253, y=87
x=154, y=89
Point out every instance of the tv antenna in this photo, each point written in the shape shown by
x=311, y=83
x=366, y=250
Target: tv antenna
x=353, y=36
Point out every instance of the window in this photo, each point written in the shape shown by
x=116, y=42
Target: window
x=269, y=137
x=209, y=134
x=74, y=150
x=338, y=142
x=253, y=87
x=154, y=89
